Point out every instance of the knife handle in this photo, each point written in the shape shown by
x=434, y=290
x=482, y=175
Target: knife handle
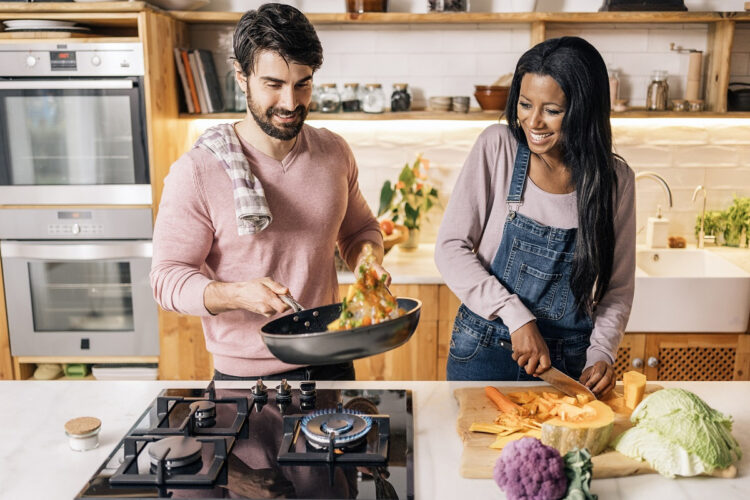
x=505, y=344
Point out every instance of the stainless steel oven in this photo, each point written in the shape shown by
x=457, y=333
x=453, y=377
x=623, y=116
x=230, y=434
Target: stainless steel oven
x=77, y=282
x=72, y=124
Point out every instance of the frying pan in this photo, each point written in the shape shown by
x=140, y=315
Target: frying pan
x=301, y=337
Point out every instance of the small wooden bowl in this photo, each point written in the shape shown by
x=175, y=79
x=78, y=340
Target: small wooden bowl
x=399, y=235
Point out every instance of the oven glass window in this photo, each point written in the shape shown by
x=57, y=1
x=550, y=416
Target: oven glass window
x=70, y=139
x=81, y=296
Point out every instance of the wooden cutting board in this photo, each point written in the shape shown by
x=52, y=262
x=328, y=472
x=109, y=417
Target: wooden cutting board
x=477, y=459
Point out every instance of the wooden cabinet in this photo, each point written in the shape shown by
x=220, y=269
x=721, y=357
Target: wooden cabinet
x=418, y=358
x=686, y=356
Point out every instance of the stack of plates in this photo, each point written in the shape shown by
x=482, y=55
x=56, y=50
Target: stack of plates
x=16, y=25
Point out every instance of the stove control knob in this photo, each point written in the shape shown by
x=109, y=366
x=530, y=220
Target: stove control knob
x=260, y=391
x=76, y=228
x=283, y=391
x=96, y=60
x=30, y=61
x=307, y=391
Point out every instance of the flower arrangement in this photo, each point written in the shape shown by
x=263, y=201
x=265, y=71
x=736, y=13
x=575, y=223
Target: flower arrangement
x=411, y=197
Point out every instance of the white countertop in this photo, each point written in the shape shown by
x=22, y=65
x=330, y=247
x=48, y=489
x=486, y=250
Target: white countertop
x=37, y=463
x=407, y=267
x=418, y=266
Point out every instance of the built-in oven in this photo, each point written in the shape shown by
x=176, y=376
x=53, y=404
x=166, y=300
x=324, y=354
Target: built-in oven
x=72, y=124
x=77, y=282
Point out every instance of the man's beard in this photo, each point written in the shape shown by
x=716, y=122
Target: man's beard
x=287, y=131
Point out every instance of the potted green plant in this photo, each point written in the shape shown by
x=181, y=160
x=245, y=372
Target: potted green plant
x=409, y=199
x=731, y=226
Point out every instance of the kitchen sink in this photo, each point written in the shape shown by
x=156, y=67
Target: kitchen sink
x=681, y=290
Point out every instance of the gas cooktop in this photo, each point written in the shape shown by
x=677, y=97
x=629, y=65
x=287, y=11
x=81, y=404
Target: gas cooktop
x=282, y=442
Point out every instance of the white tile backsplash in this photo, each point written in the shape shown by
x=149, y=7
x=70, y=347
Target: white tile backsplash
x=451, y=59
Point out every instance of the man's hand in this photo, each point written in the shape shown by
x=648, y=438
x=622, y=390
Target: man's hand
x=600, y=378
x=529, y=349
x=260, y=296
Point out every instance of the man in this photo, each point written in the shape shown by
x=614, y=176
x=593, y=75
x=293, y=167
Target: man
x=231, y=267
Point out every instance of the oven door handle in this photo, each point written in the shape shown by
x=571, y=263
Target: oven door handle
x=64, y=84
x=76, y=251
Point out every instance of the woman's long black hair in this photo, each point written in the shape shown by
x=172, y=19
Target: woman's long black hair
x=587, y=152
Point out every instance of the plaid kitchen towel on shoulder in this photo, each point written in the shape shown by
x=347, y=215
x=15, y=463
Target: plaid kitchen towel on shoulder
x=250, y=205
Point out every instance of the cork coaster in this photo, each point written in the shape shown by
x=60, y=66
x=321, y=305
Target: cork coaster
x=82, y=425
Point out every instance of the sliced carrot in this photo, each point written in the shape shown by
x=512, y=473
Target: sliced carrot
x=500, y=400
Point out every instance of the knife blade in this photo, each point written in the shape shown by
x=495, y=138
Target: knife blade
x=558, y=380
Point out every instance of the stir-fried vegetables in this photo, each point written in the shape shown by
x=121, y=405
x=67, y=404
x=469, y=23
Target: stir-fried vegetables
x=368, y=301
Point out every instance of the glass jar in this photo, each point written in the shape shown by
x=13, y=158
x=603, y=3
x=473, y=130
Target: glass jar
x=657, y=95
x=315, y=99
x=448, y=5
x=400, y=98
x=614, y=87
x=373, y=99
x=235, y=96
x=330, y=100
x=350, y=98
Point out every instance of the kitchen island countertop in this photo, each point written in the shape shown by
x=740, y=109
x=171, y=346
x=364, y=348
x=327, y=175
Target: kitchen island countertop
x=37, y=462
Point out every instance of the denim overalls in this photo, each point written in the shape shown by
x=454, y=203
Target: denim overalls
x=533, y=262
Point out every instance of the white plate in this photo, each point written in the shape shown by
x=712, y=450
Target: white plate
x=37, y=23
x=74, y=29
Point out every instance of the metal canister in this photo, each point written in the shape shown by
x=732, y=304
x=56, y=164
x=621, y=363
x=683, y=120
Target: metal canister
x=657, y=96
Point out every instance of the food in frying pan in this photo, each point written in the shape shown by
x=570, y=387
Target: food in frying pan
x=368, y=301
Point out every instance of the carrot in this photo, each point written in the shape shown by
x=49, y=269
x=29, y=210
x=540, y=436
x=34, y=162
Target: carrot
x=501, y=400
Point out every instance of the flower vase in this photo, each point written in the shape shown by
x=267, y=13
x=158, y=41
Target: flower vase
x=412, y=242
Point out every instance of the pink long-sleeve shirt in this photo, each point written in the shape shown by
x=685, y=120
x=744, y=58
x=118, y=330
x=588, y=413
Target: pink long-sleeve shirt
x=314, y=197
x=472, y=229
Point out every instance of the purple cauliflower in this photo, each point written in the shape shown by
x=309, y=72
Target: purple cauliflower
x=529, y=470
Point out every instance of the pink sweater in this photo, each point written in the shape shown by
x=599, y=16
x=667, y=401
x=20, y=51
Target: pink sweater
x=315, y=201
x=465, y=250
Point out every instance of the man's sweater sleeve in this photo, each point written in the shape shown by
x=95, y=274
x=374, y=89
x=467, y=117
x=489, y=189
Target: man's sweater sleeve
x=359, y=223
x=183, y=235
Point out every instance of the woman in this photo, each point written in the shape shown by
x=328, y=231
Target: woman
x=538, y=239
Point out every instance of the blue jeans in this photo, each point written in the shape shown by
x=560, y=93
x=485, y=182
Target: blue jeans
x=475, y=353
x=341, y=371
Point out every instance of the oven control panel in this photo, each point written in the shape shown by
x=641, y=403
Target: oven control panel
x=72, y=229
x=71, y=59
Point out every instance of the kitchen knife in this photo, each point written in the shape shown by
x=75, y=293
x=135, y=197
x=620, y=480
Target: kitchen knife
x=558, y=379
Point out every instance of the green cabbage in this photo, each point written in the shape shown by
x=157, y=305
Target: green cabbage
x=667, y=458
x=677, y=433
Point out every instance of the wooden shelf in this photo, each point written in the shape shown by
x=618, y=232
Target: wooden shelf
x=408, y=115
x=473, y=115
x=77, y=7
x=86, y=359
x=108, y=19
x=205, y=17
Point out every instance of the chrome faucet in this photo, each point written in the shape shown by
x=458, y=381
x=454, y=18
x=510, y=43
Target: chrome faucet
x=702, y=238
x=658, y=178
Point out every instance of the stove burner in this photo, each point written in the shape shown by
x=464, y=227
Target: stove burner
x=176, y=451
x=204, y=409
x=341, y=427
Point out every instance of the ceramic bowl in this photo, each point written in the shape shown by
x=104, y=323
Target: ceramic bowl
x=441, y=103
x=491, y=97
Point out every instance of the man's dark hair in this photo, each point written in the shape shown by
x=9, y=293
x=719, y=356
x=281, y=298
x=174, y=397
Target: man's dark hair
x=277, y=28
